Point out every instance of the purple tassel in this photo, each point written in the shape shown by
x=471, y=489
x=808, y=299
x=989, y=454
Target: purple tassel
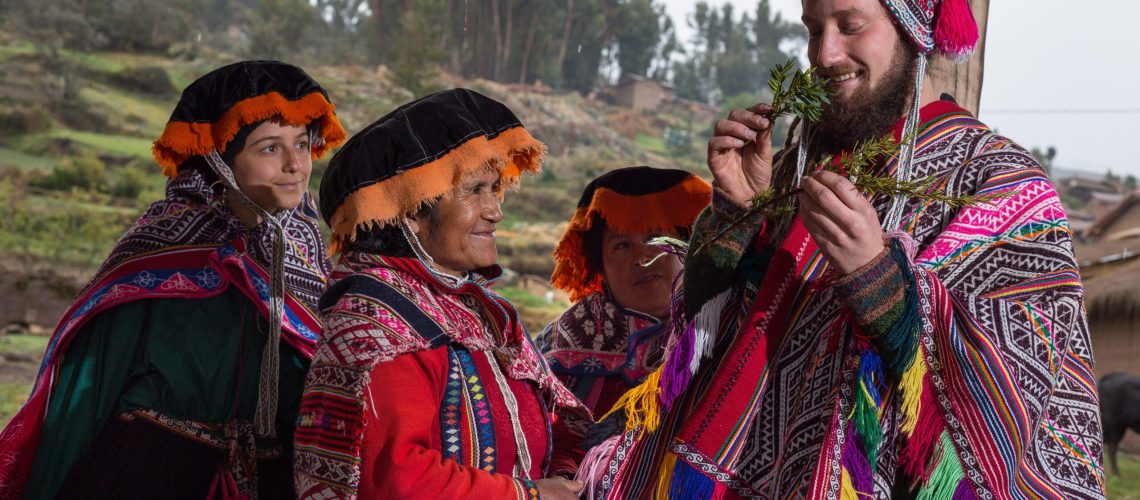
x=676, y=376
x=964, y=491
x=855, y=462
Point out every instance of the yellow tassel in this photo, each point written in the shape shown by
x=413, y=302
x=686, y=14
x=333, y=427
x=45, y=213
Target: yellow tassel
x=911, y=387
x=641, y=406
x=665, y=476
x=847, y=488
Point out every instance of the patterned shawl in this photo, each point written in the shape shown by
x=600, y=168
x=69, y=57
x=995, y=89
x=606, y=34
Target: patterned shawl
x=596, y=337
x=978, y=383
x=193, y=214
x=382, y=307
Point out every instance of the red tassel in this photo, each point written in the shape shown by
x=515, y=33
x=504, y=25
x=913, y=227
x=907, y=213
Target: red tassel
x=224, y=487
x=955, y=31
x=919, y=448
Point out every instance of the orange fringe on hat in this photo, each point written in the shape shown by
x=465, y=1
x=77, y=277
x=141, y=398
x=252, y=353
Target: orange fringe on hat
x=512, y=152
x=660, y=212
x=182, y=140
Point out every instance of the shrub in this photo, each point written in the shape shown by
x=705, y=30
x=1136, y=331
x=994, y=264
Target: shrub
x=151, y=80
x=23, y=121
x=86, y=172
x=129, y=184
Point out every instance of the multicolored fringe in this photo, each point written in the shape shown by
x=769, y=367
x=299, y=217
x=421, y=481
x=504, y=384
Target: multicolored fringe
x=929, y=457
x=694, y=345
x=644, y=405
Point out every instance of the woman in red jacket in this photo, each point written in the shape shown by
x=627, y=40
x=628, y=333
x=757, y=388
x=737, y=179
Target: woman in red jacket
x=425, y=384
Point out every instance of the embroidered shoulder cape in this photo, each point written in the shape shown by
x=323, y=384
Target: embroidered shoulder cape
x=600, y=349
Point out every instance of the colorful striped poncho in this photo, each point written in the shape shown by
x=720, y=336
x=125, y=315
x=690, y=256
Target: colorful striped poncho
x=956, y=365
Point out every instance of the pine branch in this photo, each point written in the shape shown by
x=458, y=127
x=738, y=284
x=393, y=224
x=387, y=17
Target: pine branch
x=858, y=165
x=803, y=96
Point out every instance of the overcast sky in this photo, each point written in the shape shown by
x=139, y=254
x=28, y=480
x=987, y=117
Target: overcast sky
x=1046, y=56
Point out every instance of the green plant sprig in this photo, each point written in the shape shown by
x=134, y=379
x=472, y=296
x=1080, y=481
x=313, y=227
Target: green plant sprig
x=858, y=165
x=796, y=92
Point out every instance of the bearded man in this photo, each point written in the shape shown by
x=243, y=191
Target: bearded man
x=869, y=346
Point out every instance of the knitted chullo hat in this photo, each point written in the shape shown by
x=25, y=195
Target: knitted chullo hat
x=416, y=154
x=216, y=106
x=629, y=200
x=945, y=26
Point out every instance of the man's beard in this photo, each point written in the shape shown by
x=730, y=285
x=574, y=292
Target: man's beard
x=867, y=114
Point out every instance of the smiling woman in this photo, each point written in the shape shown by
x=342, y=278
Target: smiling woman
x=460, y=229
x=426, y=384
x=177, y=372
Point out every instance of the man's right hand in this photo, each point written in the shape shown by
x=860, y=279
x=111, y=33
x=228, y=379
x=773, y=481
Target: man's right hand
x=740, y=153
x=558, y=488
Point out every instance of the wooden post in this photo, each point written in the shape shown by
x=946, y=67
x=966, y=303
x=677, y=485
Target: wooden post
x=964, y=81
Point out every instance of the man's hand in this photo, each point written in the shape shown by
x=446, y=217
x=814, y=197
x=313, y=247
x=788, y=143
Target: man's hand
x=558, y=488
x=843, y=223
x=740, y=153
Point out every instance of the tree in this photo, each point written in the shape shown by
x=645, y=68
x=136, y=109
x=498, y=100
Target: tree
x=60, y=32
x=138, y=25
x=729, y=57
x=638, y=35
x=340, y=33
x=1045, y=158
x=275, y=26
x=416, y=54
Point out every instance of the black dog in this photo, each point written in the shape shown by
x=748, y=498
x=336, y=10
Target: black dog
x=1119, y=410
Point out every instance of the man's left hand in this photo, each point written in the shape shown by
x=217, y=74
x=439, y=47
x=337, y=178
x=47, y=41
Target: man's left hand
x=842, y=221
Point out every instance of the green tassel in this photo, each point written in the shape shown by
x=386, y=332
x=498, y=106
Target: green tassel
x=947, y=474
x=867, y=401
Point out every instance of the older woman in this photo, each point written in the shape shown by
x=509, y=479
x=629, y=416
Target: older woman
x=610, y=338
x=178, y=370
x=425, y=384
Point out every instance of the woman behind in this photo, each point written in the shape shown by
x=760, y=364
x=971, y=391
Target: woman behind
x=610, y=338
x=425, y=384
x=178, y=370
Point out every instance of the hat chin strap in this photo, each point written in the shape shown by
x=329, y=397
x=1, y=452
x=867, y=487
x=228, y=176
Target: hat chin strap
x=269, y=380
x=424, y=257
x=907, y=149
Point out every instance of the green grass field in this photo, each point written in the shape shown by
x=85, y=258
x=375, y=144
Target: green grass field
x=1127, y=485
x=651, y=144
x=114, y=144
x=534, y=311
x=11, y=158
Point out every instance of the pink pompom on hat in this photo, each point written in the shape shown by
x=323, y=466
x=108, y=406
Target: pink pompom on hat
x=945, y=26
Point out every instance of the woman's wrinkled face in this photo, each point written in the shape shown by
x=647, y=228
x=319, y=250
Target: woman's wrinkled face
x=634, y=285
x=459, y=232
x=273, y=167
